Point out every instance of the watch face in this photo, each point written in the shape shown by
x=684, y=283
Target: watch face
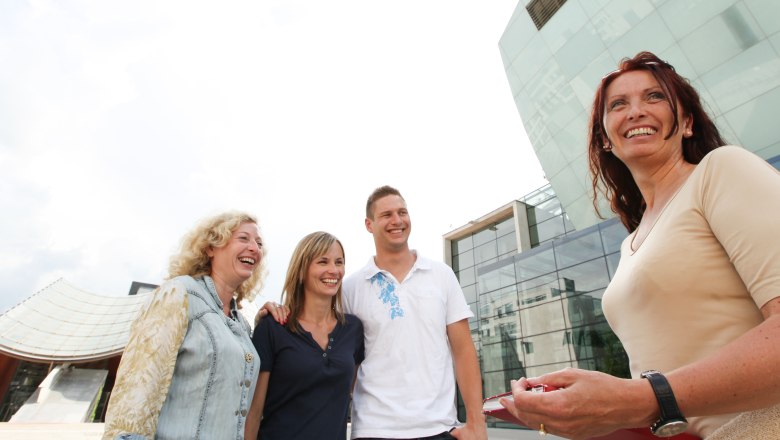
x=670, y=428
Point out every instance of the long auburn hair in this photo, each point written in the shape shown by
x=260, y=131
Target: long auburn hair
x=609, y=175
x=308, y=249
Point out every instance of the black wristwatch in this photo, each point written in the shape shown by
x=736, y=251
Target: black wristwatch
x=671, y=421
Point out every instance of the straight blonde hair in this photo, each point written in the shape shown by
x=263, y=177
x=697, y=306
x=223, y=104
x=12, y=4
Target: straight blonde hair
x=308, y=249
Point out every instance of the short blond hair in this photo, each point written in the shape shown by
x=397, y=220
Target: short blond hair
x=215, y=232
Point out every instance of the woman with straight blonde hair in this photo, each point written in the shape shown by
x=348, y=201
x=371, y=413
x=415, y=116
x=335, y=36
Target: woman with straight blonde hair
x=309, y=361
x=189, y=369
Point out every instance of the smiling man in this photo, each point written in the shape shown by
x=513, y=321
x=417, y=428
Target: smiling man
x=415, y=319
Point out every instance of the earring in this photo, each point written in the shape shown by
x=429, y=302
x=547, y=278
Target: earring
x=688, y=133
x=607, y=147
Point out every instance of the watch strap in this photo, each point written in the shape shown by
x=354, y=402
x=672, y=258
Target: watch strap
x=666, y=400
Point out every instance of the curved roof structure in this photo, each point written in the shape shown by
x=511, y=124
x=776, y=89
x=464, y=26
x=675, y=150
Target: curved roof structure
x=62, y=323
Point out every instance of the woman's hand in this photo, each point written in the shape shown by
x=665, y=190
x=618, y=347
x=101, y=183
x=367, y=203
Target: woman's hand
x=586, y=404
x=276, y=310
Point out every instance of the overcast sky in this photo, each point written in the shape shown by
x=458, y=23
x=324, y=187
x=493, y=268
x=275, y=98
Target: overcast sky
x=123, y=123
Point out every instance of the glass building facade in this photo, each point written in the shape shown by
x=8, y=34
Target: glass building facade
x=535, y=286
x=555, y=52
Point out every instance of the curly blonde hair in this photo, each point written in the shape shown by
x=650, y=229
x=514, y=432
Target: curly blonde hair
x=215, y=232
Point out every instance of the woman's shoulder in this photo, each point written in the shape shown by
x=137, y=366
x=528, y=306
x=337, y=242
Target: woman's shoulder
x=732, y=160
x=186, y=281
x=352, y=320
x=171, y=290
x=728, y=154
x=169, y=298
x=268, y=323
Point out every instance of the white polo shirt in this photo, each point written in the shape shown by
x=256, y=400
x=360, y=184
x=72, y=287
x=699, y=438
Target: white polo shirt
x=406, y=384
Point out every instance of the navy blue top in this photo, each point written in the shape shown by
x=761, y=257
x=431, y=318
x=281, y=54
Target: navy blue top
x=309, y=388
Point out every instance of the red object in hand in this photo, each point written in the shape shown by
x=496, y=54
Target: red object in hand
x=492, y=407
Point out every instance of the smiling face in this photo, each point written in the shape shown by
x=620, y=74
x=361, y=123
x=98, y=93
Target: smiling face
x=234, y=262
x=638, y=117
x=324, y=274
x=390, y=224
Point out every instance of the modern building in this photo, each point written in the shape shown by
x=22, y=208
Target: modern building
x=534, y=270
x=60, y=349
x=534, y=284
x=59, y=352
x=555, y=52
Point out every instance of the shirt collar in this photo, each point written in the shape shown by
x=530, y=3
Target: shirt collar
x=420, y=263
x=209, y=284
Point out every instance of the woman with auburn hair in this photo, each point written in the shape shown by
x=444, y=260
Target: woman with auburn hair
x=189, y=369
x=695, y=299
x=310, y=360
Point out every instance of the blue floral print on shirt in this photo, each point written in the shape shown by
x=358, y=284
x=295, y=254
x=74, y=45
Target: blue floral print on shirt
x=387, y=294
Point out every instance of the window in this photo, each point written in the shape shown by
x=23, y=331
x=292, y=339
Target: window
x=541, y=11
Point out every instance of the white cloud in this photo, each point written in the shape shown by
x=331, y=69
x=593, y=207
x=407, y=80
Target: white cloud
x=123, y=123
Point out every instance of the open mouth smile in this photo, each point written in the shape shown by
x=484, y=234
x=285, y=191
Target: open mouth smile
x=640, y=131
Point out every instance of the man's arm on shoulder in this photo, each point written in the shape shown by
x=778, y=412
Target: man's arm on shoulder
x=467, y=373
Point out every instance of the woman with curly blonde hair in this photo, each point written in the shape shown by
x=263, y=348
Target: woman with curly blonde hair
x=189, y=369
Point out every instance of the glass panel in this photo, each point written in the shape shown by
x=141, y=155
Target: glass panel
x=569, y=252
x=507, y=275
x=546, y=230
x=489, y=281
x=463, y=260
x=601, y=348
x=612, y=235
x=681, y=17
x=744, y=77
x=484, y=236
x=580, y=50
x=505, y=227
x=506, y=244
x=622, y=16
x=539, y=289
x=466, y=276
x=636, y=39
x=584, y=309
x=533, y=264
x=612, y=264
x=766, y=13
x=544, y=210
x=470, y=292
x=542, y=319
x=462, y=245
x=502, y=302
x=567, y=224
x=585, y=277
x=485, y=252
x=497, y=382
x=502, y=355
x=546, y=348
x=732, y=32
x=486, y=262
x=753, y=123
x=555, y=36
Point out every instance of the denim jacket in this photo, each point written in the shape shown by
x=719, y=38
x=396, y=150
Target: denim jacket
x=188, y=372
